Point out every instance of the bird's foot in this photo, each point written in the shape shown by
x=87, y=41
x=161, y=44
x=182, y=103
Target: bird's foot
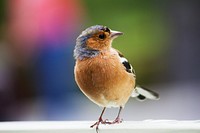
x=100, y=121
x=117, y=121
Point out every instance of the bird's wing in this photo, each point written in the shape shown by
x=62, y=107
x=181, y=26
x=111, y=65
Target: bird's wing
x=139, y=92
x=125, y=62
x=142, y=93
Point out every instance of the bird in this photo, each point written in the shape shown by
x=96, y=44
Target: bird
x=103, y=74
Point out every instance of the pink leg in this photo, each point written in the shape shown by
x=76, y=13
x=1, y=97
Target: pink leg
x=117, y=119
x=100, y=120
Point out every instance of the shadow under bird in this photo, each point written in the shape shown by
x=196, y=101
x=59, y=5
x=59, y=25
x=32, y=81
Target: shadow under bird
x=103, y=74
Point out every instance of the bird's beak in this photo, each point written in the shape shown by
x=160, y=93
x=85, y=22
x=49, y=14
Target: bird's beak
x=115, y=34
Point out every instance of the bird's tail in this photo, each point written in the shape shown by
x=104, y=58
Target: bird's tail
x=142, y=93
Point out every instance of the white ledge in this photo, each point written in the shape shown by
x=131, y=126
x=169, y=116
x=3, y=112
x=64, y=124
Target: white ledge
x=147, y=126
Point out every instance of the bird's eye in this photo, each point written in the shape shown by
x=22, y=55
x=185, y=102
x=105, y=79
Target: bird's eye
x=102, y=36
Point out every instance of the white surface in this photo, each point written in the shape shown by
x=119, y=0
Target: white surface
x=147, y=126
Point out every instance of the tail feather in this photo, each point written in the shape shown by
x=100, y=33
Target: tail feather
x=142, y=93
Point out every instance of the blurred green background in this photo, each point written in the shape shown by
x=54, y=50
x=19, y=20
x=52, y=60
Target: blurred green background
x=37, y=38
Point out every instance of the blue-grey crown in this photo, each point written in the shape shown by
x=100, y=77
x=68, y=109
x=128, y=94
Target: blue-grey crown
x=81, y=51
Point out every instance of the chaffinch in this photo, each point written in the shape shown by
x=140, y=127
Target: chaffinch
x=103, y=74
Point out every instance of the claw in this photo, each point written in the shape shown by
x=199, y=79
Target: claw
x=97, y=124
x=117, y=120
x=100, y=121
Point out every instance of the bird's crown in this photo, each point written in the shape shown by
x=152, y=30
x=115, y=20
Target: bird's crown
x=93, y=30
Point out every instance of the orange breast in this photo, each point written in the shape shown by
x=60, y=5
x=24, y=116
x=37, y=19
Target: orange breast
x=104, y=80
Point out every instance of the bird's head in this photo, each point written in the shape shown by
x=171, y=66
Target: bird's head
x=95, y=38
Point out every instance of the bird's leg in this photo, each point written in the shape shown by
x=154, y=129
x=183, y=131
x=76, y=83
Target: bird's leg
x=100, y=120
x=117, y=119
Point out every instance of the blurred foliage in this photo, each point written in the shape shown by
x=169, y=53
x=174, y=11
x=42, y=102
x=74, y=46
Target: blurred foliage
x=144, y=26
x=2, y=11
x=2, y=18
